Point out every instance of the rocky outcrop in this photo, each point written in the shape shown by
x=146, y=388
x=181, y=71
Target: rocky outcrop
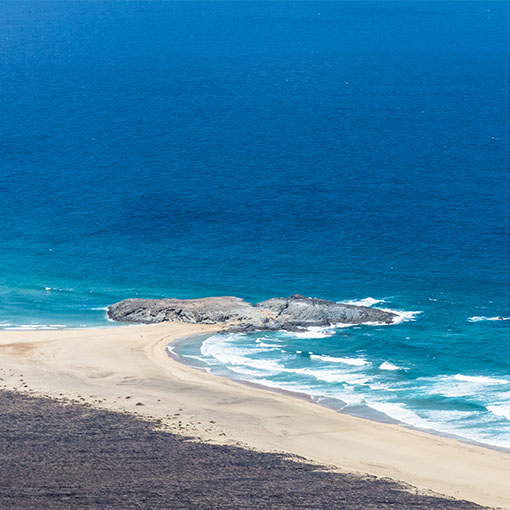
x=299, y=310
x=292, y=313
x=212, y=310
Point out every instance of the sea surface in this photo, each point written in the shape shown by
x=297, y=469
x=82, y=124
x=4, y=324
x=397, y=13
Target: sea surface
x=343, y=150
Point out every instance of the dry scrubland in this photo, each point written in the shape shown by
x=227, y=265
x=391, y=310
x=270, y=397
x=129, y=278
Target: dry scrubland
x=61, y=456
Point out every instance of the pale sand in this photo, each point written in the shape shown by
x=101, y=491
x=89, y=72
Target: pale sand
x=104, y=366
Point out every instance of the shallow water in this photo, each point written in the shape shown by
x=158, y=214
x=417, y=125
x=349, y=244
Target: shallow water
x=387, y=373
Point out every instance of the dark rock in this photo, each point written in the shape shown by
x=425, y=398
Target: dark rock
x=212, y=310
x=299, y=310
x=292, y=313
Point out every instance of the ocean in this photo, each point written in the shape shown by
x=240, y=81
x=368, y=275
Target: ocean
x=342, y=149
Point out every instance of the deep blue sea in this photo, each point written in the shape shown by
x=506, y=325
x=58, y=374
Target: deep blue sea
x=337, y=149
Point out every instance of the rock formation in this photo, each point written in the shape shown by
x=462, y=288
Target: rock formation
x=292, y=313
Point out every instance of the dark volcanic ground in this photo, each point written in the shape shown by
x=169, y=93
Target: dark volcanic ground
x=69, y=456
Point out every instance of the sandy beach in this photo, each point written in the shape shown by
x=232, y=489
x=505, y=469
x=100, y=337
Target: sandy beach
x=128, y=369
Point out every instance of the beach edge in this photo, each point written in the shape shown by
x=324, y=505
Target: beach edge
x=128, y=369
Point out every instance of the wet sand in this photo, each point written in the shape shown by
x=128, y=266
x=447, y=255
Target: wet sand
x=127, y=369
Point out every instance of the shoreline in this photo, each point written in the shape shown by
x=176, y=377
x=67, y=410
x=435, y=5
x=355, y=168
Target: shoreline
x=322, y=401
x=128, y=369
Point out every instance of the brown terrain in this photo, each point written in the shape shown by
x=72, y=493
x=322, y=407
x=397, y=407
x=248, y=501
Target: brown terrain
x=69, y=456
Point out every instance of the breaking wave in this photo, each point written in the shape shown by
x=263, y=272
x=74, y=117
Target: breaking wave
x=369, y=301
x=334, y=359
x=350, y=374
x=482, y=318
x=313, y=332
x=385, y=365
x=502, y=410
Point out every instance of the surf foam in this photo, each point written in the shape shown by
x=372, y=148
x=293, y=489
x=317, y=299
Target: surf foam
x=334, y=359
x=481, y=318
x=386, y=365
x=502, y=410
x=369, y=301
x=480, y=379
x=313, y=332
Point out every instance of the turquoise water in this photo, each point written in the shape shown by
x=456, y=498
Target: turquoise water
x=411, y=373
x=259, y=148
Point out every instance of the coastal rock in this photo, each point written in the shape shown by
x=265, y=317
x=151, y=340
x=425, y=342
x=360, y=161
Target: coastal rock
x=297, y=310
x=292, y=313
x=211, y=310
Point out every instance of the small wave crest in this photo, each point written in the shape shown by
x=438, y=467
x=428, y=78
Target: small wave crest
x=480, y=379
x=222, y=349
x=402, y=315
x=482, y=318
x=449, y=422
x=333, y=376
x=400, y=412
x=32, y=327
x=386, y=365
x=334, y=359
x=369, y=301
x=312, y=332
x=460, y=385
x=261, y=343
x=502, y=410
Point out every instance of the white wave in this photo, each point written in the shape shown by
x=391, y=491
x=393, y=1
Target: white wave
x=402, y=315
x=244, y=371
x=345, y=361
x=100, y=309
x=480, y=379
x=221, y=348
x=369, y=301
x=385, y=387
x=266, y=365
x=401, y=413
x=378, y=386
x=340, y=325
x=504, y=395
x=449, y=422
x=333, y=376
x=291, y=386
x=312, y=332
x=386, y=365
x=483, y=318
x=190, y=356
x=34, y=327
x=269, y=346
x=441, y=421
x=502, y=410
x=463, y=385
